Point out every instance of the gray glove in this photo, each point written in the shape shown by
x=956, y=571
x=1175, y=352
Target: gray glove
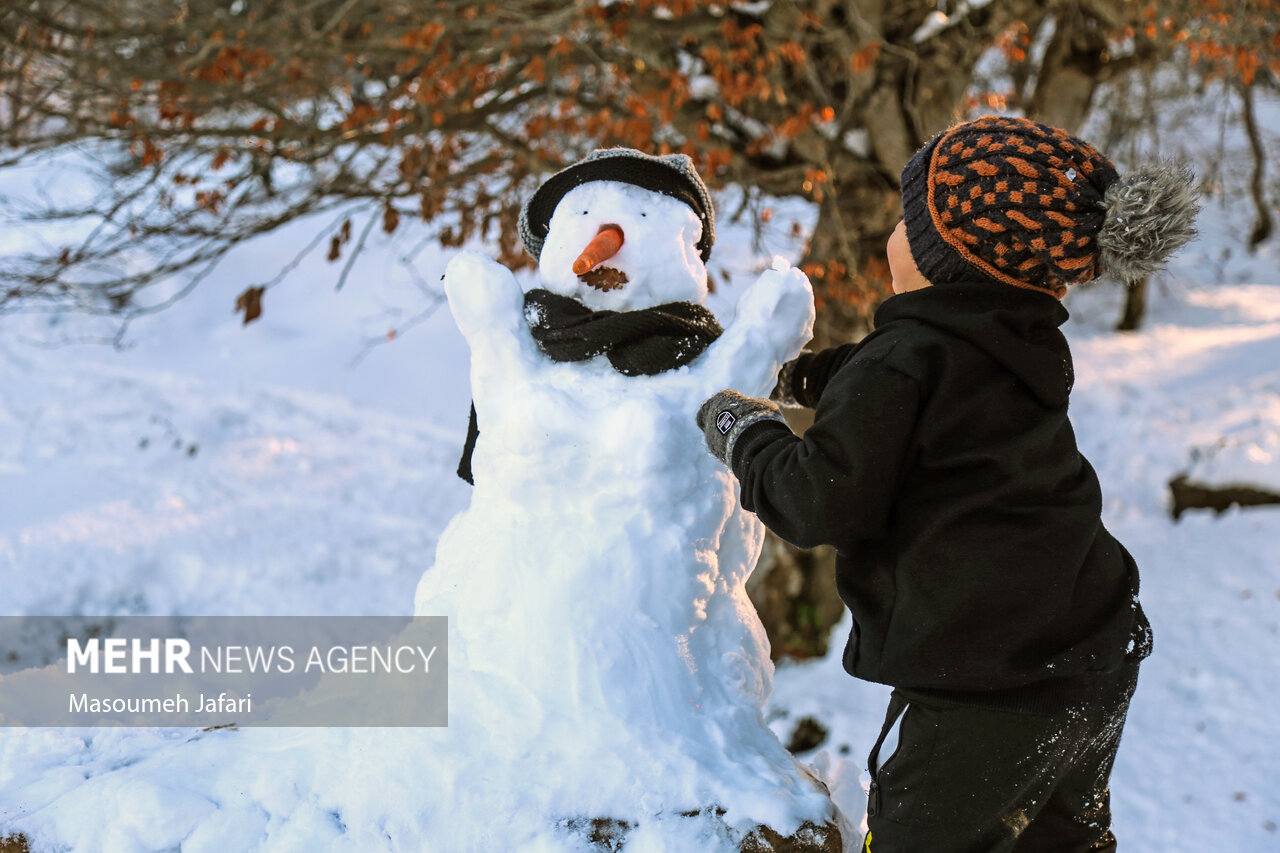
x=726, y=415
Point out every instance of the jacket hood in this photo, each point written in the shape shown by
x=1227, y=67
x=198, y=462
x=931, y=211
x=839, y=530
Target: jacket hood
x=1016, y=327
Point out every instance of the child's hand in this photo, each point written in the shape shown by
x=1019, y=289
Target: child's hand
x=724, y=417
x=783, y=392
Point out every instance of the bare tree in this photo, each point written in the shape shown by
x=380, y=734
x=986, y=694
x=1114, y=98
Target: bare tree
x=219, y=120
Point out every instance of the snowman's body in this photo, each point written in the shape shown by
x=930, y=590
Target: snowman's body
x=597, y=579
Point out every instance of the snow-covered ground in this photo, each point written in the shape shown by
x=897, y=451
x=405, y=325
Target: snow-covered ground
x=304, y=465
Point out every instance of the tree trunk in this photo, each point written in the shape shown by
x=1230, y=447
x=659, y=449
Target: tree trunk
x=1257, y=181
x=1135, y=306
x=794, y=591
x=919, y=90
x=1075, y=62
x=854, y=222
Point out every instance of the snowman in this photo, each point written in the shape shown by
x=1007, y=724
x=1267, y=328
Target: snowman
x=595, y=585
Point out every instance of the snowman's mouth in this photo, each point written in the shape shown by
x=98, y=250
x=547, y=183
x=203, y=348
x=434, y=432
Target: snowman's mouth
x=604, y=279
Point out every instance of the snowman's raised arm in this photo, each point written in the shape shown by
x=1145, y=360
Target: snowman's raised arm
x=488, y=306
x=773, y=320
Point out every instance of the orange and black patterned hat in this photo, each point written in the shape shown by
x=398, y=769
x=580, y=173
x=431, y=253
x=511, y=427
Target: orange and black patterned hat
x=1008, y=200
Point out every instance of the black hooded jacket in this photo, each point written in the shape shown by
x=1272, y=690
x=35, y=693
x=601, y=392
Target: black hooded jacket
x=942, y=467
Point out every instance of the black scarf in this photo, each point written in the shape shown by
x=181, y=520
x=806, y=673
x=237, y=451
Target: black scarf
x=638, y=343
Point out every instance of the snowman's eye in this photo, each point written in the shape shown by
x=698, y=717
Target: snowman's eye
x=642, y=213
x=585, y=212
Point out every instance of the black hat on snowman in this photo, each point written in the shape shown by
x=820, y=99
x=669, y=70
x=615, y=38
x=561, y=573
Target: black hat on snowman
x=671, y=174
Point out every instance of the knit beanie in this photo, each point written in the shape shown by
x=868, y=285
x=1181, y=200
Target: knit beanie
x=1013, y=201
x=671, y=174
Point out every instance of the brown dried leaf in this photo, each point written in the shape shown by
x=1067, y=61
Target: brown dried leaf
x=250, y=302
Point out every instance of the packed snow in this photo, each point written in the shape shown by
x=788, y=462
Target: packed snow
x=304, y=464
x=596, y=580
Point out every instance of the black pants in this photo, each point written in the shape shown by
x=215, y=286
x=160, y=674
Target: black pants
x=946, y=778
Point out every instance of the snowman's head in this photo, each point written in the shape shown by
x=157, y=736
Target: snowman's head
x=622, y=230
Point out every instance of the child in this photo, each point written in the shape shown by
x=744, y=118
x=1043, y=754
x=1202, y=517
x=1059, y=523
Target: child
x=942, y=467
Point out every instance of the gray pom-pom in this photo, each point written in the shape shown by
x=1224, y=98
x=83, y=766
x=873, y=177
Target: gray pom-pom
x=1150, y=214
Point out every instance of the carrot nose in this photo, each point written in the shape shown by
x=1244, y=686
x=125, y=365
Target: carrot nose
x=603, y=246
